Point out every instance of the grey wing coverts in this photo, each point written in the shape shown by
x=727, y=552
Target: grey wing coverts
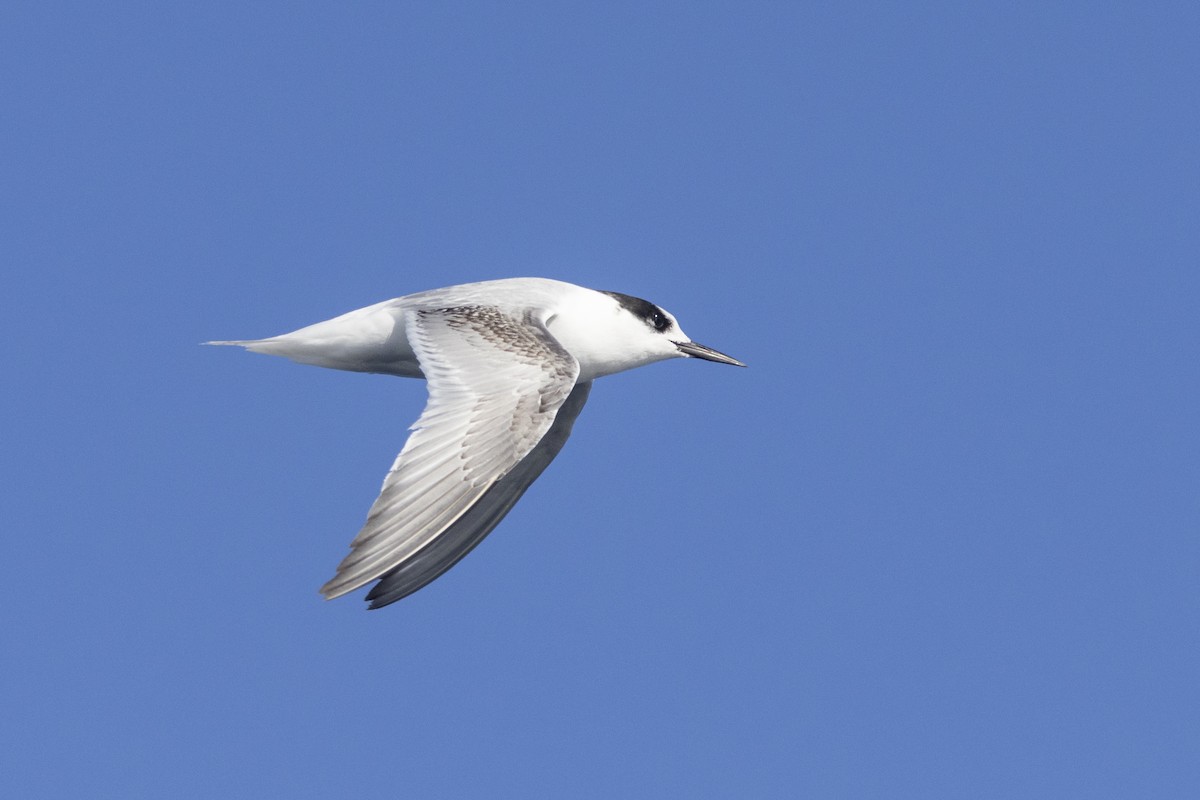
x=502, y=400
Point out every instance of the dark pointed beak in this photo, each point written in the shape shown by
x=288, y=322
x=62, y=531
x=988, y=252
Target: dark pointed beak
x=696, y=350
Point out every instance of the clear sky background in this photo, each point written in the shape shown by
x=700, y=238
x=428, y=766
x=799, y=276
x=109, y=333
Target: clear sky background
x=941, y=539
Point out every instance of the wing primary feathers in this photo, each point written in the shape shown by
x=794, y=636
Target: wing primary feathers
x=496, y=383
x=461, y=538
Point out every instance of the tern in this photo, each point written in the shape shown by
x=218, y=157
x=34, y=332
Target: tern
x=509, y=365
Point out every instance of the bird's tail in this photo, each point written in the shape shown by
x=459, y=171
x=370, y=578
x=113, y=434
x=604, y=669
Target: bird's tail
x=285, y=345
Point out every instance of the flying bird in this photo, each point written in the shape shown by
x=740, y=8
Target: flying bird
x=509, y=364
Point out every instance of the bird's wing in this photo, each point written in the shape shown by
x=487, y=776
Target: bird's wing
x=496, y=383
x=461, y=537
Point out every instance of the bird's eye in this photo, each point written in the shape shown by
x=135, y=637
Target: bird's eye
x=659, y=321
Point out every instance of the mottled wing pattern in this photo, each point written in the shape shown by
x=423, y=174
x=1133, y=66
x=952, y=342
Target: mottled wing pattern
x=496, y=382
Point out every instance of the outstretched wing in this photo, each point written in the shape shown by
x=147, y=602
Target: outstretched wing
x=460, y=538
x=496, y=383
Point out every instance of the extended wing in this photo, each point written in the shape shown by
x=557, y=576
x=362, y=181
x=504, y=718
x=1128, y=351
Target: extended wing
x=449, y=547
x=496, y=385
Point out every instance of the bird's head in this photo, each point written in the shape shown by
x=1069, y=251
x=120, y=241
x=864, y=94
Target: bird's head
x=619, y=332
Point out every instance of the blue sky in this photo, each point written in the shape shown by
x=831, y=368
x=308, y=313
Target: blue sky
x=940, y=540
